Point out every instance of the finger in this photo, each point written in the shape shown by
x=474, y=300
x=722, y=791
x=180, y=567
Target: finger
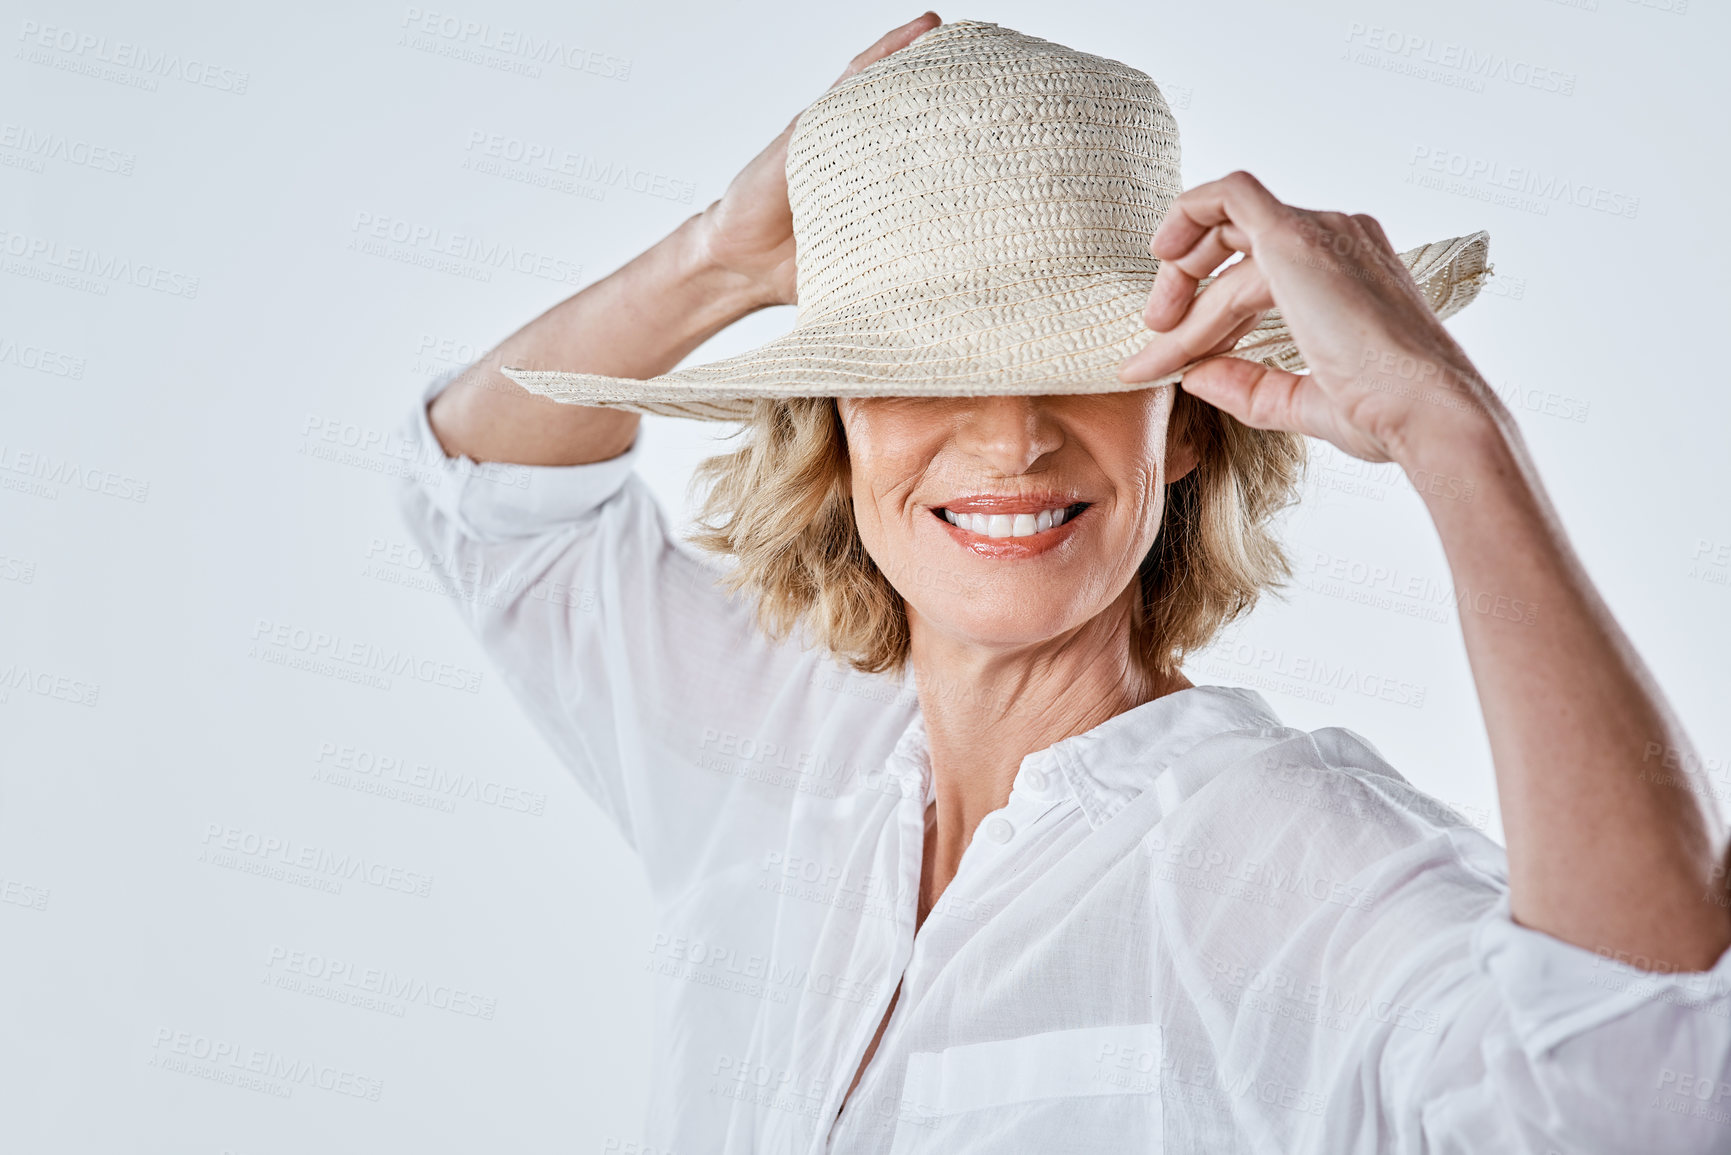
x=1373, y=229
x=1176, y=282
x=1198, y=234
x=1210, y=252
x=1385, y=256
x=1233, y=303
x=1226, y=343
x=891, y=41
x=1258, y=395
x=1235, y=199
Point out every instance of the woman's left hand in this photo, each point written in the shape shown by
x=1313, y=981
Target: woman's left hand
x=1385, y=377
x=1604, y=852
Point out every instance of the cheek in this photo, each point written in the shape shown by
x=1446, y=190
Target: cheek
x=869, y=512
x=879, y=539
x=1153, y=507
x=895, y=545
x=879, y=485
x=910, y=554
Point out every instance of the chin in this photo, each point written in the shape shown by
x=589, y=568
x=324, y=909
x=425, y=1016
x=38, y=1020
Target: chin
x=1001, y=618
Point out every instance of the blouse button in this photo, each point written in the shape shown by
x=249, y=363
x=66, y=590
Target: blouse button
x=999, y=830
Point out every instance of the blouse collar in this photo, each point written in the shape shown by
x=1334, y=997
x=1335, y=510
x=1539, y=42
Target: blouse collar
x=1105, y=768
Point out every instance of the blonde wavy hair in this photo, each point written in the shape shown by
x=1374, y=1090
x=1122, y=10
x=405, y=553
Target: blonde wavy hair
x=781, y=507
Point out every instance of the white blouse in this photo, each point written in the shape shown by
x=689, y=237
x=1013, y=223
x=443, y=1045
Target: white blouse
x=1191, y=928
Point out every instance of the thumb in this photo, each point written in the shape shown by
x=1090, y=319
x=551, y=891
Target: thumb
x=1258, y=395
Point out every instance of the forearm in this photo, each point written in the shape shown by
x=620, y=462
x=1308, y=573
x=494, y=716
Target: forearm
x=1610, y=847
x=639, y=321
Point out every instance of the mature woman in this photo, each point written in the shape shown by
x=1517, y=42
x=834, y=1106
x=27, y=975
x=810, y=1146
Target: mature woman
x=948, y=854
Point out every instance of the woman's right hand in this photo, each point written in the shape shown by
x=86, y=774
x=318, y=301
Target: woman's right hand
x=749, y=231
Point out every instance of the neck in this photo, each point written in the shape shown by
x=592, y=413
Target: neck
x=987, y=709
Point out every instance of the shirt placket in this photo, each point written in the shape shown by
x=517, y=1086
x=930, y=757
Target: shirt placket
x=999, y=835
x=922, y=956
x=910, y=813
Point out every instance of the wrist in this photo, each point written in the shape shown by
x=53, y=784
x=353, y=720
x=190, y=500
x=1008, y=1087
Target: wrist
x=1462, y=457
x=732, y=292
x=1456, y=418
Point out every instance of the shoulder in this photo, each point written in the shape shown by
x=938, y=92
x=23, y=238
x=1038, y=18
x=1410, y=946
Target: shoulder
x=1312, y=820
x=1335, y=775
x=1328, y=776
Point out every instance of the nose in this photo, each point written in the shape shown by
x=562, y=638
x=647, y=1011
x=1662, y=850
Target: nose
x=1008, y=434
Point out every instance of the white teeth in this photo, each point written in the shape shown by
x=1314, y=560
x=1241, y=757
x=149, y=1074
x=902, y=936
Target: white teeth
x=1006, y=524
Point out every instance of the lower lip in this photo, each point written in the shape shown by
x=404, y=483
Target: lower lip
x=1032, y=545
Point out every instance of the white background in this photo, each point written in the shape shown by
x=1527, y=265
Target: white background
x=163, y=492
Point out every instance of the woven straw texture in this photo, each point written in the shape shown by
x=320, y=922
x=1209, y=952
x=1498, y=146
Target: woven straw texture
x=971, y=216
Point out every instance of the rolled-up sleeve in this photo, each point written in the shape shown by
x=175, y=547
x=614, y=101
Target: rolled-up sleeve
x=1525, y=1042
x=1395, y=996
x=1593, y=1053
x=621, y=646
x=499, y=502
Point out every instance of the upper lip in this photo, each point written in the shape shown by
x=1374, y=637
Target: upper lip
x=1009, y=502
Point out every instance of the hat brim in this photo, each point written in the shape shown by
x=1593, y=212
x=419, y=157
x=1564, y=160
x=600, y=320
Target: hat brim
x=1026, y=333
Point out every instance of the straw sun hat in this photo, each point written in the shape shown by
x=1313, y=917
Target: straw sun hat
x=971, y=216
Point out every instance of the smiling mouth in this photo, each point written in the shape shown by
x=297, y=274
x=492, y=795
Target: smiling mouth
x=1011, y=525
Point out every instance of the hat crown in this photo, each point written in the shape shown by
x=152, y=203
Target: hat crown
x=974, y=157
